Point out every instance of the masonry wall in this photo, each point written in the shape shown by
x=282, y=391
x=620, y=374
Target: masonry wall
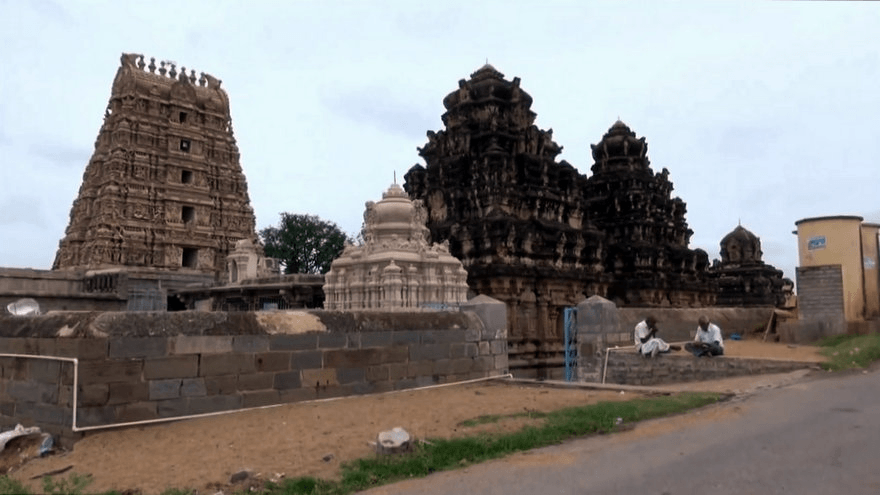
x=628, y=368
x=146, y=366
x=680, y=324
x=820, y=293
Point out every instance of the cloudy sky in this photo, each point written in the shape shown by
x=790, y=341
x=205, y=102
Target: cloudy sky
x=764, y=112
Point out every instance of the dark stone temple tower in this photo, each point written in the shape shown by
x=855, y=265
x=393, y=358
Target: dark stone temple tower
x=743, y=278
x=646, y=254
x=512, y=214
x=537, y=234
x=164, y=191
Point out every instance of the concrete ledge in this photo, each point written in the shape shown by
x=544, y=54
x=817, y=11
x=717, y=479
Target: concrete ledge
x=632, y=369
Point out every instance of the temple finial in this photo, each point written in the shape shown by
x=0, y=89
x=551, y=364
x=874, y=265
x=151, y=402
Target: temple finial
x=395, y=176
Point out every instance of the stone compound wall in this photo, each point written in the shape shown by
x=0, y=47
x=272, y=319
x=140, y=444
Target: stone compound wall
x=149, y=366
x=626, y=367
x=820, y=292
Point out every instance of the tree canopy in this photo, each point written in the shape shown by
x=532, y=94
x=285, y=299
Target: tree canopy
x=304, y=243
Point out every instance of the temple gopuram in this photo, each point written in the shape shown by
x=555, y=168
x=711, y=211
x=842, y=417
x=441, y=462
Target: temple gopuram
x=164, y=188
x=163, y=197
x=742, y=277
x=537, y=234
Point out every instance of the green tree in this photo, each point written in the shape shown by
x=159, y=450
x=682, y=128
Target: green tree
x=304, y=243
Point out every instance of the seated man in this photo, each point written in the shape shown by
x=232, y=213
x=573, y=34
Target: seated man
x=647, y=344
x=707, y=341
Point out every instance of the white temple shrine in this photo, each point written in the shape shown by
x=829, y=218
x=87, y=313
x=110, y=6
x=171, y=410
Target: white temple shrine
x=396, y=268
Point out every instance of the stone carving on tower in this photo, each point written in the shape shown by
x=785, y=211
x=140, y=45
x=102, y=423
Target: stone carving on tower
x=647, y=236
x=397, y=267
x=742, y=276
x=164, y=189
x=513, y=214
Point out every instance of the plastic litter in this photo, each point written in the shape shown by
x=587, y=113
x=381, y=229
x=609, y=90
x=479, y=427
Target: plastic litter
x=46, y=445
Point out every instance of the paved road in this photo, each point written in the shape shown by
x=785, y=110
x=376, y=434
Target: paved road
x=819, y=436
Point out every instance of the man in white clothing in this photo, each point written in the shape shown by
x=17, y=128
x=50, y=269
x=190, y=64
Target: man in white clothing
x=647, y=343
x=707, y=341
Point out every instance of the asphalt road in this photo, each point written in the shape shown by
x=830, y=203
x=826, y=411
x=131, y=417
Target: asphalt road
x=819, y=436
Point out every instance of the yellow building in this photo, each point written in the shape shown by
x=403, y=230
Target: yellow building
x=837, y=276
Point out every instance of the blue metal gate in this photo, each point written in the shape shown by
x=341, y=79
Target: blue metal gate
x=570, y=344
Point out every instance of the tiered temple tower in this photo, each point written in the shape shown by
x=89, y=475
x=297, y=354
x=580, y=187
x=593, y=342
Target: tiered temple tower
x=512, y=214
x=164, y=190
x=646, y=252
x=538, y=235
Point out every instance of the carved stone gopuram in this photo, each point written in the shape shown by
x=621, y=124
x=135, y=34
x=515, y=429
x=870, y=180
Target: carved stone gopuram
x=538, y=235
x=514, y=215
x=397, y=267
x=647, y=236
x=164, y=189
x=742, y=276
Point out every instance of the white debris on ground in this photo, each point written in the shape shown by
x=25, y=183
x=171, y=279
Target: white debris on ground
x=393, y=441
x=18, y=431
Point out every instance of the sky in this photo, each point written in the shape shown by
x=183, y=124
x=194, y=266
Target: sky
x=764, y=112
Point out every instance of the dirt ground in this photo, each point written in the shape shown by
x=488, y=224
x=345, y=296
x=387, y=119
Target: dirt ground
x=315, y=438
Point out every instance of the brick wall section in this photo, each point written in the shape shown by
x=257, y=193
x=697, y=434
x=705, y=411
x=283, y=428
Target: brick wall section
x=124, y=378
x=820, y=292
x=627, y=368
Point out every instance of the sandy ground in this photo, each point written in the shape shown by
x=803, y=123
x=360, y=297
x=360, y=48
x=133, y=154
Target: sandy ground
x=771, y=350
x=315, y=438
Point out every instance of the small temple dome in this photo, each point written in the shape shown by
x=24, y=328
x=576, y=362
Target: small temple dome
x=395, y=207
x=487, y=84
x=741, y=246
x=619, y=142
x=392, y=269
x=396, y=268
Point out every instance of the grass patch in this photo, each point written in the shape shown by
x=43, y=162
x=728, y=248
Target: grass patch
x=446, y=454
x=10, y=486
x=74, y=484
x=850, y=351
x=494, y=418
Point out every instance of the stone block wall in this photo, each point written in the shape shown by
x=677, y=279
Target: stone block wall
x=820, y=293
x=628, y=368
x=680, y=324
x=133, y=376
x=820, y=306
